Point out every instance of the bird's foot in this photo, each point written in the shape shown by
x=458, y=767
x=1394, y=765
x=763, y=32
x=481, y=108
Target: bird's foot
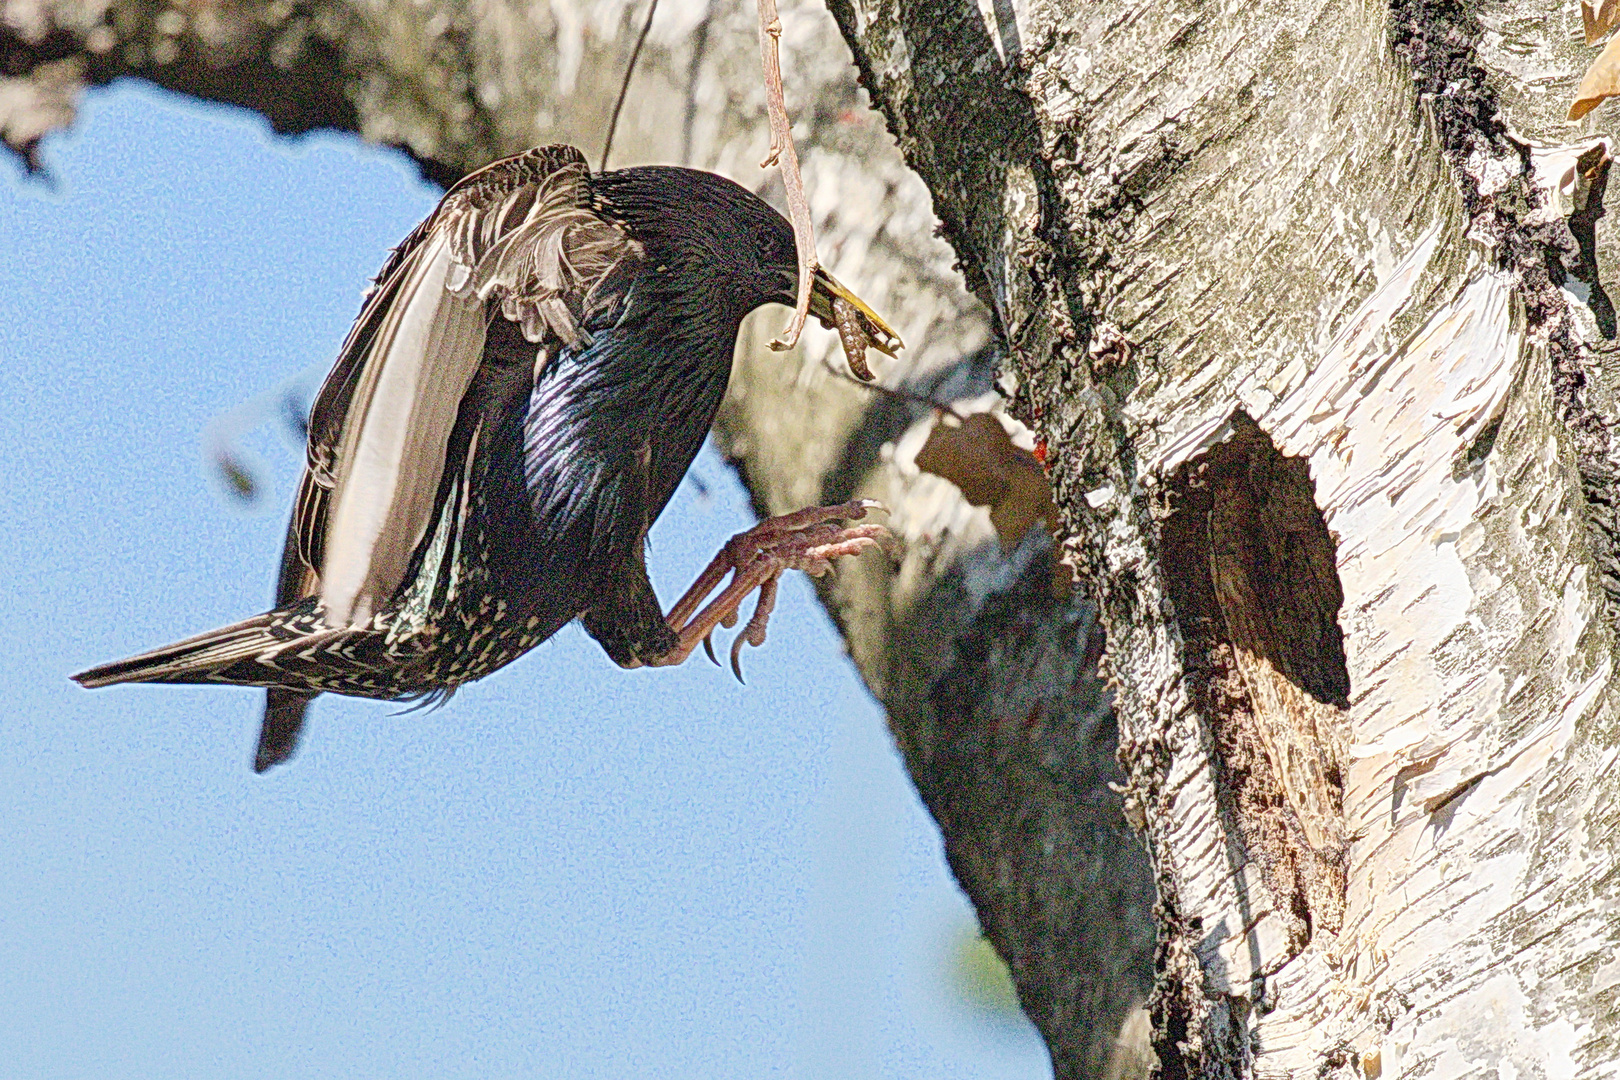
x=807, y=540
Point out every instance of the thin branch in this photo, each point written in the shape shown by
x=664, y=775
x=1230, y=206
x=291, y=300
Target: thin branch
x=624, y=87
x=700, y=49
x=782, y=152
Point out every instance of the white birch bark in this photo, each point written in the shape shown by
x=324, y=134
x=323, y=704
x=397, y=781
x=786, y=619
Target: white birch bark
x=1327, y=235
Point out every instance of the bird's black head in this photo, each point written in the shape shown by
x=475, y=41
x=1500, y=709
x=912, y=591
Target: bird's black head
x=722, y=243
x=719, y=251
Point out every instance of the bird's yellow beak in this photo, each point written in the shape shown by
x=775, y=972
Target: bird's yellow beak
x=857, y=324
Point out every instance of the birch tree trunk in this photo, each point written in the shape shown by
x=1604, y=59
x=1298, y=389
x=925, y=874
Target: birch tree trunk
x=987, y=672
x=1282, y=288
x=1305, y=304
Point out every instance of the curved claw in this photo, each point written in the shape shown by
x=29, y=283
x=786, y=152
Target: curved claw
x=754, y=632
x=808, y=540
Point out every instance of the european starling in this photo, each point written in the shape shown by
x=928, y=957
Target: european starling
x=529, y=379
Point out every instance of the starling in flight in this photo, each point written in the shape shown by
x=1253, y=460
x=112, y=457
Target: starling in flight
x=532, y=374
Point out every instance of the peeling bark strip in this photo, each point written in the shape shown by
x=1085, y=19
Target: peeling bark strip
x=1441, y=39
x=1251, y=572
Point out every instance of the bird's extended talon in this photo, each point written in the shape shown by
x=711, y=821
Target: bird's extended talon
x=754, y=633
x=808, y=540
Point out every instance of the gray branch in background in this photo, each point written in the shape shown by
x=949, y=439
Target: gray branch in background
x=989, y=677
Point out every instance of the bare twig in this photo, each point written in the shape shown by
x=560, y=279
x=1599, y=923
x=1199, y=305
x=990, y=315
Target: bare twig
x=624, y=87
x=286, y=403
x=782, y=152
x=700, y=49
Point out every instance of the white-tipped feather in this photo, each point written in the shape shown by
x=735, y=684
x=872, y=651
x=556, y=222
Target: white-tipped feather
x=420, y=364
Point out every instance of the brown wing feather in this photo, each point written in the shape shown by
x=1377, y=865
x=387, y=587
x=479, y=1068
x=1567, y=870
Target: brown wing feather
x=526, y=237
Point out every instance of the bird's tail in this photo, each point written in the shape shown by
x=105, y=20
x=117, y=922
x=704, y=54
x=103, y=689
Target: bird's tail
x=283, y=722
x=206, y=658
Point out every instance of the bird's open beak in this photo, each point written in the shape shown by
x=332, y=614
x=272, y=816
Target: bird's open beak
x=857, y=318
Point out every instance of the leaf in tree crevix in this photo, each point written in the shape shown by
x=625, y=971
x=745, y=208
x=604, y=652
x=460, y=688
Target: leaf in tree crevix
x=1601, y=81
x=1599, y=18
x=979, y=457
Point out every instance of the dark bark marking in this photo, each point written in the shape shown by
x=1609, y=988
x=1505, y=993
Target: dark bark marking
x=1437, y=38
x=1177, y=1006
x=1591, y=182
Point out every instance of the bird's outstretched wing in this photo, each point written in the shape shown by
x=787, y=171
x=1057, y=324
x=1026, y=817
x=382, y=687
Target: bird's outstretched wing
x=519, y=232
x=519, y=238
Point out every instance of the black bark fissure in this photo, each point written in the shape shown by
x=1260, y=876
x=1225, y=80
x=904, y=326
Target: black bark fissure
x=1591, y=183
x=1438, y=39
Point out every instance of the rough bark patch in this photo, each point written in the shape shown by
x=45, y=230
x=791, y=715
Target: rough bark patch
x=1438, y=39
x=1014, y=756
x=1251, y=570
x=277, y=67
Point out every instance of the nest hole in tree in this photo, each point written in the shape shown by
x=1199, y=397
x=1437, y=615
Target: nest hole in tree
x=1252, y=572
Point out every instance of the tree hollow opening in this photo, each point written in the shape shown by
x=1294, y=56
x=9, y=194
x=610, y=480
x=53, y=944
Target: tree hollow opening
x=1252, y=572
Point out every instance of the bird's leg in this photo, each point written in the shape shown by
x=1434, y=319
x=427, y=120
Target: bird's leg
x=807, y=540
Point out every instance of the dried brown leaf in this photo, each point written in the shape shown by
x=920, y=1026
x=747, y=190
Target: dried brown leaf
x=979, y=457
x=1601, y=81
x=1599, y=18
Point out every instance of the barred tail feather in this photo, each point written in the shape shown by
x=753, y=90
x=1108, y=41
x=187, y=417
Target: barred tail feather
x=200, y=659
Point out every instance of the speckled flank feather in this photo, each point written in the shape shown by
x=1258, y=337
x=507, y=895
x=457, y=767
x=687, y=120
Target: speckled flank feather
x=531, y=377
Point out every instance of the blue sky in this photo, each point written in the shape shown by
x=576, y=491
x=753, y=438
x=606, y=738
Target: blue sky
x=568, y=871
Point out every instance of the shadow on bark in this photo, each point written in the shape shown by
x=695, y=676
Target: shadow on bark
x=991, y=683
